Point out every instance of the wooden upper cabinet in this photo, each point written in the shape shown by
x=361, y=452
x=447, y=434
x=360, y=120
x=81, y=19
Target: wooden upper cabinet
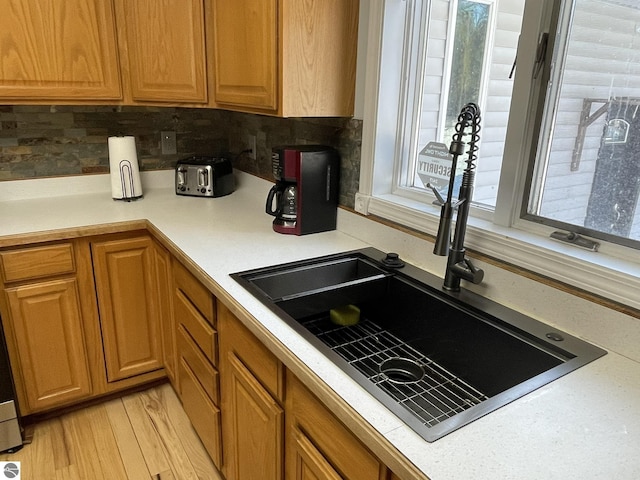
x=165, y=45
x=58, y=49
x=246, y=52
x=318, y=60
x=291, y=58
x=125, y=275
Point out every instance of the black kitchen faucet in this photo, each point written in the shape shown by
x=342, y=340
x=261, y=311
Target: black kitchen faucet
x=458, y=266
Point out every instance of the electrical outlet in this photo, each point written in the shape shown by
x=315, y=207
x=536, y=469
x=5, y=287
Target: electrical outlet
x=168, y=143
x=249, y=146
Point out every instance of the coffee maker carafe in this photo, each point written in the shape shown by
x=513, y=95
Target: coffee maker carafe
x=305, y=197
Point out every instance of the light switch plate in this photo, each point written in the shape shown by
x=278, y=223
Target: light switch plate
x=249, y=146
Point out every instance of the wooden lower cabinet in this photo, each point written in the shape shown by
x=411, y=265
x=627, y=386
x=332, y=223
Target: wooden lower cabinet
x=203, y=413
x=310, y=463
x=318, y=446
x=165, y=305
x=252, y=392
x=272, y=426
x=47, y=324
x=126, y=287
x=82, y=317
x=197, y=351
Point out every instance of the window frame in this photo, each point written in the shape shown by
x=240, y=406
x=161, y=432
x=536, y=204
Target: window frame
x=612, y=273
x=560, y=13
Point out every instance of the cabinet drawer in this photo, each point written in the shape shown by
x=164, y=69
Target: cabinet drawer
x=204, y=415
x=195, y=291
x=197, y=327
x=37, y=262
x=206, y=374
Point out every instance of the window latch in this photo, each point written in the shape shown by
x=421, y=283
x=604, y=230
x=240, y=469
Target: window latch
x=541, y=54
x=575, y=239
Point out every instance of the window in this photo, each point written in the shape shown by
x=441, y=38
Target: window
x=554, y=136
x=453, y=52
x=587, y=174
x=468, y=56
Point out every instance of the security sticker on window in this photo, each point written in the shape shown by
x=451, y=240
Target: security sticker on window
x=434, y=165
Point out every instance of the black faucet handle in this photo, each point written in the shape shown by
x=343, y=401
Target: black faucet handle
x=466, y=270
x=439, y=200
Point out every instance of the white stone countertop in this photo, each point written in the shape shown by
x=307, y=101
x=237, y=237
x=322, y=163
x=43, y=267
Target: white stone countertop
x=585, y=425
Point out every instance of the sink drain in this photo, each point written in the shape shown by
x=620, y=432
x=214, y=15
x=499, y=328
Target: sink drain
x=402, y=370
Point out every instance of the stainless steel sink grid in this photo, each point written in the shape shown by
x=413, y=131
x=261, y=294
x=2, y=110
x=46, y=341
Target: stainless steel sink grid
x=433, y=397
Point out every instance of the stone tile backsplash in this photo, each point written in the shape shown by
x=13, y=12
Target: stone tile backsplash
x=46, y=141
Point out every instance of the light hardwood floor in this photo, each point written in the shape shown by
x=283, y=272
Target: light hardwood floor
x=142, y=436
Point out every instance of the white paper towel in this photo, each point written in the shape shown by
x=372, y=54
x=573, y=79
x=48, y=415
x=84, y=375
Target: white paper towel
x=123, y=164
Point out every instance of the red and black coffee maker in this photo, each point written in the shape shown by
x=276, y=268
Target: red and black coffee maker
x=305, y=197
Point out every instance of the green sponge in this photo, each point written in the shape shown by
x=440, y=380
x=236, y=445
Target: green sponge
x=346, y=315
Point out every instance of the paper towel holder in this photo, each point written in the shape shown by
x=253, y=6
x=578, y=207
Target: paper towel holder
x=125, y=175
x=126, y=180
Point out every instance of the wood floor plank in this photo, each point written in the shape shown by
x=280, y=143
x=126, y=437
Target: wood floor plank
x=152, y=400
x=104, y=439
x=198, y=456
x=62, y=454
x=148, y=439
x=42, y=465
x=70, y=472
x=64, y=459
x=168, y=475
x=130, y=452
x=78, y=429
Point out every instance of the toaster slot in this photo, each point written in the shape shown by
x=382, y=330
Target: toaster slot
x=203, y=177
x=181, y=174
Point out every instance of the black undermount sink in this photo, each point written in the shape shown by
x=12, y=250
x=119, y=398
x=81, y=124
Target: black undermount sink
x=438, y=360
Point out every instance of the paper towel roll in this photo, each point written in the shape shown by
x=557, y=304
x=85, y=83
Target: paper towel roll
x=123, y=165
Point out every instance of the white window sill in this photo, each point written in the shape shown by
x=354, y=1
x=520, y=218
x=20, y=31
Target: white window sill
x=608, y=274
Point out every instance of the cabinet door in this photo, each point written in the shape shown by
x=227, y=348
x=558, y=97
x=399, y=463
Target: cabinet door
x=310, y=464
x=246, y=52
x=319, y=49
x=255, y=423
x=58, y=50
x=127, y=293
x=166, y=48
x=48, y=330
x=252, y=418
x=318, y=446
